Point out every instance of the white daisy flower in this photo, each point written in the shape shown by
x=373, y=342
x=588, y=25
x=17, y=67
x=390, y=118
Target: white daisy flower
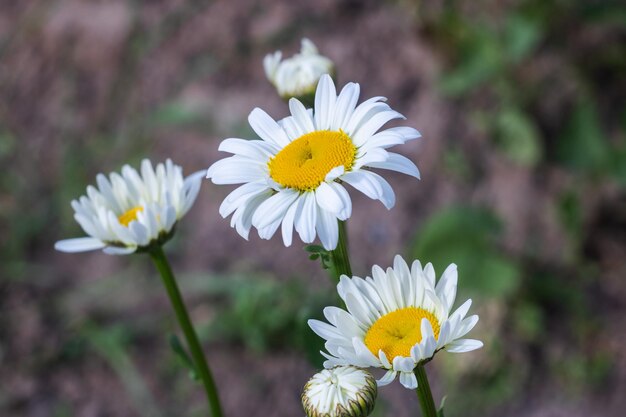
x=130, y=211
x=396, y=320
x=297, y=76
x=343, y=391
x=295, y=175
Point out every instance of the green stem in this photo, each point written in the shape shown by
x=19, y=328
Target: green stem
x=190, y=334
x=424, y=395
x=339, y=255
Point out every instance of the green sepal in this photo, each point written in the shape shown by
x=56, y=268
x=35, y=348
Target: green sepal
x=184, y=357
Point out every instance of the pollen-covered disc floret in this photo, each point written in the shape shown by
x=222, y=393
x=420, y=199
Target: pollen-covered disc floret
x=343, y=391
x=305, y=162
x=395, y=320
x=132, y=210
x=297, y=76
x=295, y=176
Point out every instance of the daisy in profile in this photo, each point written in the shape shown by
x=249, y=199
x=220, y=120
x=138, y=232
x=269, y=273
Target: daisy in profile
x=132, y=211
x=295, y=176
x=396, y=320
x=297, y=76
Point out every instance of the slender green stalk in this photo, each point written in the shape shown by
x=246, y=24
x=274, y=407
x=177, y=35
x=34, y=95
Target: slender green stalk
x=339, y=256
x=190, y=334
x=424, y=395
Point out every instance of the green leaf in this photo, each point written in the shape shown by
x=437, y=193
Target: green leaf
x=440, y=410
x=481, y=60
x=518, y=137
x=521, y=36
x=176, y=114
x=321, y=253
x=184, y=357
x=467, y=236
x=583, y=145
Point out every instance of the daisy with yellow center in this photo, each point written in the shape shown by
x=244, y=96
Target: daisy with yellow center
x=133, y=210
x=396, y=320
x=295, y=176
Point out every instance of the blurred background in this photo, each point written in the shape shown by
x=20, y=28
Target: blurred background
x=523, y=159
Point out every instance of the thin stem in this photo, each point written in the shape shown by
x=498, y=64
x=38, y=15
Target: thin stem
x=190, y=334
x=340, y=256
x=424, y=395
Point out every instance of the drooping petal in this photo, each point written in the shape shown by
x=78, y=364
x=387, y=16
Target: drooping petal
x=80, y=244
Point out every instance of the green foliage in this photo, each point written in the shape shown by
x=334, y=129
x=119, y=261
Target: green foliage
x=570, y=215
x=264, y=314
x=487, y=52
x=518, y=136
x=467, y=237
x=318, y=252
x=181, y=353
x=583, y=146
x=111, y=344
x=176, y=114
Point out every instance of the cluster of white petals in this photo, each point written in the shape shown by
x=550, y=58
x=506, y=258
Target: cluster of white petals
x=398, y=288
x=132, y=210
x=266, y=204
x=297, y=76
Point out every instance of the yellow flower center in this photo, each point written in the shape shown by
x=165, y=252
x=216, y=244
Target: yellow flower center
x=129, y=215
x=305, y=162
x=397, y=332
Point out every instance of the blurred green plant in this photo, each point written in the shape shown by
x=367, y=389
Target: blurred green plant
x=266, y=315
x=112, y=345
x=468, y=237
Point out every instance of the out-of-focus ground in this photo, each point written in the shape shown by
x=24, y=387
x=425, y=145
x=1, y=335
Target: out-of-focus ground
x=523, y=159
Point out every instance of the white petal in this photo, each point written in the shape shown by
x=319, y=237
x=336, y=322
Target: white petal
x=446, y=287
x=254, y=149
x=363, y=353
x=236, y=170
x=327, y=229
x=398, y=163
x=324, y=330
x=407, y=132
x=267, y=128
x=384, y=139
x=274, y=208
x=306, y=218
x=114, y=250
x=346, y=103
x=464, y=345
x=382, y=356
x=240, y=196
x=466, y=326
x=408, y=380
x=325, y=98
x=364, y=183
x=462, y=311
x=301, y=116
x=191, y=188
x=370, y=127
x=387, y=378
x=364, y=112
x=346, y=201
x=79, y=244
x=334, y=173
x=288, y=222
x=328, y=199
x=373, y=156
x=402, y=364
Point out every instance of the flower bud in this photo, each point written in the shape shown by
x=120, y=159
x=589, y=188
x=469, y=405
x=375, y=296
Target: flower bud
x=343, y=391
x=298, y=76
